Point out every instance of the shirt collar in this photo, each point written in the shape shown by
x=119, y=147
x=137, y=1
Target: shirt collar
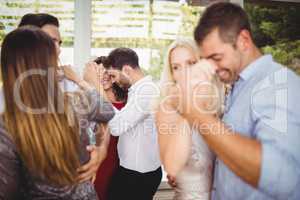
x=255, y=67
x=139, y=82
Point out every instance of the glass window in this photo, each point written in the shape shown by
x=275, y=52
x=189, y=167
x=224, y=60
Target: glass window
x=13, y=10
x=146, y=26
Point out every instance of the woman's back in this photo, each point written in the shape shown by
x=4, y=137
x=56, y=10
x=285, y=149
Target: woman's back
x=16, y=182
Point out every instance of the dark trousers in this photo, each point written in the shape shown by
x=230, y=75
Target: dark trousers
x=132, y=185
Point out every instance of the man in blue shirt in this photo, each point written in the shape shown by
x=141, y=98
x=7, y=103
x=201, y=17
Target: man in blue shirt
x=257, y=143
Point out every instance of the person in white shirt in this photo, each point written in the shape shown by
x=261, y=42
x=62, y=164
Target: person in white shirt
x=139, y=173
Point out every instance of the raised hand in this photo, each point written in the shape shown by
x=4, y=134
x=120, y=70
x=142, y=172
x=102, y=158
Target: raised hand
x=119, y=77
x=198, y=93
x=70, y=74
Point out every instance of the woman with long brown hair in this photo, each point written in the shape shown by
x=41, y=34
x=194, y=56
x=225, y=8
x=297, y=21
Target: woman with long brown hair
x=40, y=152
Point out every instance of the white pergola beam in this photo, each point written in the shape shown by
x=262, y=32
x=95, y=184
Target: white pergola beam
x=82, y=33
x=240, y=2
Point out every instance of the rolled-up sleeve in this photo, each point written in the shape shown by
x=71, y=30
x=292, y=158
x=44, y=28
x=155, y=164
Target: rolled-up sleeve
x=277, y=127
x=92, y=106
x=101, y=109
x=137, y=108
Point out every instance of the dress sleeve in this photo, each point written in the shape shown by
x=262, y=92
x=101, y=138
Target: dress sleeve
x=92, y=106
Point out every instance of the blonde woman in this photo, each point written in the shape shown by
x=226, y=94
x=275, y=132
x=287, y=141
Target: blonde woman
x=184, y=154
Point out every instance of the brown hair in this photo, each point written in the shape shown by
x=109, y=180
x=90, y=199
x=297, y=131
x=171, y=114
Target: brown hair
x=119, y=57
x=230, y=19
x=47, y=145
x=120, y=93
x=38, y=19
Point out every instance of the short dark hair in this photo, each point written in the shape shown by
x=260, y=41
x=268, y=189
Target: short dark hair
x=120, y=93
x=102, y=60
x=123, y=56
x=39, y=20
x=229, y=18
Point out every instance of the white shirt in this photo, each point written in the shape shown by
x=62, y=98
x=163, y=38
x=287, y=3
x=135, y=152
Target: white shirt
x=135, y=126
x=2, y=100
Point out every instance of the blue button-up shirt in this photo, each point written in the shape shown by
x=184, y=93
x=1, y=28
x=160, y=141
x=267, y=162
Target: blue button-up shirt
x=264, y=105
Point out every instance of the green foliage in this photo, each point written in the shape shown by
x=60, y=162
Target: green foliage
x=190, y=15
x=2, y=33
x=276, y=31
x=158, y=61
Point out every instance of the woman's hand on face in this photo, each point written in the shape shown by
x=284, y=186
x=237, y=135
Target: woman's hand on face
x=101, y=70
x=92, y=74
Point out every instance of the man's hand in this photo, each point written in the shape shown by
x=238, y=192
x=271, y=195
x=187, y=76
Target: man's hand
x=88, y=171
x=119, y=77
x=198, y=97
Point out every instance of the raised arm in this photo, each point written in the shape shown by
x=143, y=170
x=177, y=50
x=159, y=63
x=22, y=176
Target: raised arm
x=174, y=137
x=90, y=102
x=90, y=105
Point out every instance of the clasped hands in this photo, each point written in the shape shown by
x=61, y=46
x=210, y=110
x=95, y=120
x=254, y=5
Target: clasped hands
x=194, y=95
x=93, y=74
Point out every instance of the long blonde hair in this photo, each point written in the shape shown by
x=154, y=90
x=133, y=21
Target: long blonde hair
x=46, y=143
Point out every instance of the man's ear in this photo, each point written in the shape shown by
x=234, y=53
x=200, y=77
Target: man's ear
x=127, y=69
x=244, y=40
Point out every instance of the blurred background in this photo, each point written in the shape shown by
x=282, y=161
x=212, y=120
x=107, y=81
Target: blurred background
x=92, y=28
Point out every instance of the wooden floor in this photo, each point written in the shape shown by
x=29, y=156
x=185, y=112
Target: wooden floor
x=164, y=192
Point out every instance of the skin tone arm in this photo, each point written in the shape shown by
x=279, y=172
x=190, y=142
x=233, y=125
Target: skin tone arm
x=97, y=153
x=70, y=74
x=174, y=137
x=241, y=154
x=91, y=77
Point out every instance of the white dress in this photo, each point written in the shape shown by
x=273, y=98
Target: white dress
x=194, y=181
